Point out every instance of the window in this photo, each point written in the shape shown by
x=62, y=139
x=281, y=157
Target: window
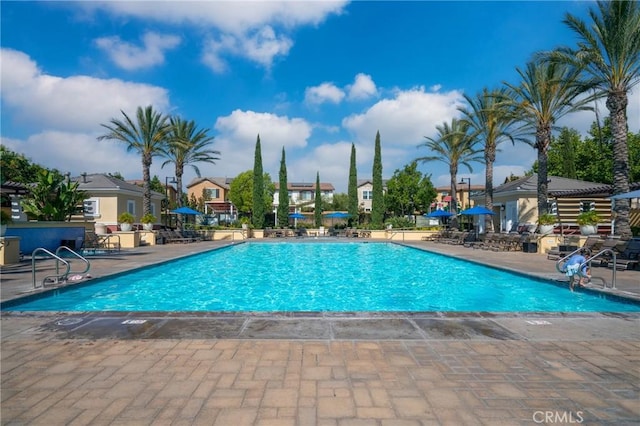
x=367, y=195
x=152, y=209
x=212, y=193
x=131, y=207
x=587, y=205
x=91, y=207
x=306, y=195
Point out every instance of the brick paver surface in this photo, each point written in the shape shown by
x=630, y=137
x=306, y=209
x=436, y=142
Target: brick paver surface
x=275, y=382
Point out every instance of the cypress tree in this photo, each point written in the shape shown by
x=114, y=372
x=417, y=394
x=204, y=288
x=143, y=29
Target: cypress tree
x=352, y=190
x=317, y=214
x=283, y=195
x=377, y=201
x=258, y=189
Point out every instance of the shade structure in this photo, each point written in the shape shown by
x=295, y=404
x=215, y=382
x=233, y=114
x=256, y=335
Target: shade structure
x=439, y=214
x=296, y=215
x=477, y=210
x=632, y=194
x=186, y=210
x=337, y=215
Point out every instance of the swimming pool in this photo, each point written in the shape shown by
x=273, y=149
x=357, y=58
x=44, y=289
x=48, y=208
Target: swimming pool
x=314, y=277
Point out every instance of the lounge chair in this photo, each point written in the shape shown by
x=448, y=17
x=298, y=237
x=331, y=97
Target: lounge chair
x=628, y=258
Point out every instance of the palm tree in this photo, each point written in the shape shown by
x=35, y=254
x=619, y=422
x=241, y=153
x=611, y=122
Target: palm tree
x=148, y=136
x=488, y=114
x=547, y=92
x=608, y=54
x=453, y=146
x=188, y=145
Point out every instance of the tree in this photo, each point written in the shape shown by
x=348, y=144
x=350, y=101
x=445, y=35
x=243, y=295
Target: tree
x=317, y=213
x=54, y=197
x=352, y=191
x=283, y=194
x=377, y=200
x=489, y=116
x=454, y=146
x=258, y=205
x=15, y=167
x=241, y=192
x=187, y=145
x=608, y=57
x=156, y=185
x=547, y=92
x=147, y=136
x=409, y=191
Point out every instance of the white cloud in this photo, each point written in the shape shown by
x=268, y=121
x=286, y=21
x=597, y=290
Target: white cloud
x=132, y=57
x=244, y=29
x=362, y=88
x=231, y=17
x=326, y=92
x=237, y=135
x=77, y=153
x=407, y=118
x=76, y=103
x=262, y=47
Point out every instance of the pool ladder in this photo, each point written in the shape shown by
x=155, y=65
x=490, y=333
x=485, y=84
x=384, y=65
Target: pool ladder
x=601, y=253
x=58, y=277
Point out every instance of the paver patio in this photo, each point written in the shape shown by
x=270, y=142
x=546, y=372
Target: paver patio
x=526, y=369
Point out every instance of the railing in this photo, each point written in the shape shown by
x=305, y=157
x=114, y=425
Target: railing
x=600, y=254
x=58, y=275
x=65, y=248
x=242, y=233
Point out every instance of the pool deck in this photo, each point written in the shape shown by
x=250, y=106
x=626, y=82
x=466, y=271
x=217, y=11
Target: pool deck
x=415, y=368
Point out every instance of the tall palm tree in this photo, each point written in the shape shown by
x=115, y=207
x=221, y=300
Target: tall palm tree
x=454, y=145
x=547, y=92
x=608, y=54
x=147, y=136
x=488, y=114
x=187, y=146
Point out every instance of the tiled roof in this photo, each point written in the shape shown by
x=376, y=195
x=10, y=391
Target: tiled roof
x=222, y=182
x=597, y=190
x=556, y=184
x=101, y=181
x=304, y=186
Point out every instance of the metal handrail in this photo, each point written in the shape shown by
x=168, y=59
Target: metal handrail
x=86, y=262
x=58, y=259
x=601, y=253
x=241, y=233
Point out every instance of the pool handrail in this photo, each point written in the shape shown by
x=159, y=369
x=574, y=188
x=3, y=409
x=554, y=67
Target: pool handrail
x=85, y=260
x=58, y=276
x=601, y=253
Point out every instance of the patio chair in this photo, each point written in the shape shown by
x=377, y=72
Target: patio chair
x=629, y=258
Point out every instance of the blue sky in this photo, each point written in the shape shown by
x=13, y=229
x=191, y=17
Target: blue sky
x=312, y=77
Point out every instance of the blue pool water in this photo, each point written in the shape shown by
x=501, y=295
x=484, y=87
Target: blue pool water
x=321, y=277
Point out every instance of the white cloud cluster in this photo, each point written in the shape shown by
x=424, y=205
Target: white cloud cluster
x=261, y=47
x=244, y=29
x=132, y=57
x=76, y=103
x=406, y=118
x=362, y=88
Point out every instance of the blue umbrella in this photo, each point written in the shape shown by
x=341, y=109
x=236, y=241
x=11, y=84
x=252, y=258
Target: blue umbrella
x=296, y=215
x=185, y=210
x=477, y=210
x=338, y=215
x=632, y=194
x=439, y=213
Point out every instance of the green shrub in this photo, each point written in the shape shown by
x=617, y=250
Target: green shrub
x=588, y=218
x=547, y=219
x=148, y=218
x=126, y=217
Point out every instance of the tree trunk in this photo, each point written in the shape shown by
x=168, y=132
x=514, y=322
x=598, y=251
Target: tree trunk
x=179, y=171
x=454, y=198
x=543, y=139
x=146, y=184
x=490, y=156
x=617, y=106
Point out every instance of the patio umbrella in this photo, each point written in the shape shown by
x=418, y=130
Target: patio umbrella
x=186, y=210
x=439, y=214
x=296, y=215
x=632, y=194
x=338, y=215
x=477, y=210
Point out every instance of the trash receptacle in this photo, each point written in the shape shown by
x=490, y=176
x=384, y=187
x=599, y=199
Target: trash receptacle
x=530, y=247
